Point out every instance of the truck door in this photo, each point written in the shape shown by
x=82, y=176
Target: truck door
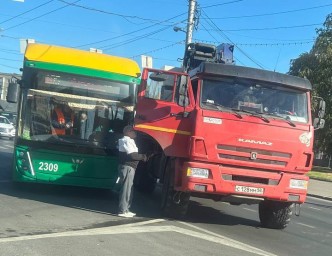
x=164, y=110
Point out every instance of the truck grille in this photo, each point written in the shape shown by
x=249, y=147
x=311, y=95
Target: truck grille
x=244, y=154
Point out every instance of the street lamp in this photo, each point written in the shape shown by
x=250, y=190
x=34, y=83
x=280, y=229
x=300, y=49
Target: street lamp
x=176, y=29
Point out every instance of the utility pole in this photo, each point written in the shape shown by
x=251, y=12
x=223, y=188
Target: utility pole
x=191, y=22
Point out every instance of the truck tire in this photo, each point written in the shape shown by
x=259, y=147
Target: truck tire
x=174, y=204
x=143, y=181
x=275, y=215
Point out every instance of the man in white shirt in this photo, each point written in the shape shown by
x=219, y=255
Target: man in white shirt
x=128, y=161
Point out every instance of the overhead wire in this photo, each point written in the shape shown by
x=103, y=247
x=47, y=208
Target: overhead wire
x=25, y=22
x=129, y=33
x=21, y=14
x=126, y=17
x=272, y=28
x=269, y=14
x=262, y=44
x=9, y=66
x=115, y=45
x=213, y=25
x=10, y=59
x=230, y=2
x=159, y=49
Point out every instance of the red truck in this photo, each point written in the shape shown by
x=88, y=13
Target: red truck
x=226, y=132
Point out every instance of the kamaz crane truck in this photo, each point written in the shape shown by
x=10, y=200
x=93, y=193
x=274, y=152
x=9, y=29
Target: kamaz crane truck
x=226, y=132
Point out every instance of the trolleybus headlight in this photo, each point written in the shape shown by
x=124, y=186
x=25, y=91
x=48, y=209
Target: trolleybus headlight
x=198, y=172
x=299, y=184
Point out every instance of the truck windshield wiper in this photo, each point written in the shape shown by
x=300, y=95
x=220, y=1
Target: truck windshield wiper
x=283, y=118
x=256, y=114
x=234, y=111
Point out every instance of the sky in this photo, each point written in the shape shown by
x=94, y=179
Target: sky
x=267, y=34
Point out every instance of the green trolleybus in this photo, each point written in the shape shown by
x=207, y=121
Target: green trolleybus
x=99, y=93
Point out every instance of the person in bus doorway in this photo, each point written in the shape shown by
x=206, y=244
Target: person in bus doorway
x=62, y=120
x=128, y=161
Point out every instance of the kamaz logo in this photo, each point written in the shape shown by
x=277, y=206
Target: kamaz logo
x=255, y=142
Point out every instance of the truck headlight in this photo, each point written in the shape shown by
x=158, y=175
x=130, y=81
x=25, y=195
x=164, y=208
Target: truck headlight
x=198, y=172
x=300, y=184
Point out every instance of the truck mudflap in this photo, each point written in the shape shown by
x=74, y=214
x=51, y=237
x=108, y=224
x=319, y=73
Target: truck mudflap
x=221, y=180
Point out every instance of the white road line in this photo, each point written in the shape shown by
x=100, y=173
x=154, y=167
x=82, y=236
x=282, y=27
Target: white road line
x=120, y=229
x=229, y=241
x=142, y=227
x=248, y=209
x=2, y=147
x=314, y=208
x=142, y=223
x=318, y=199
x=305, y=225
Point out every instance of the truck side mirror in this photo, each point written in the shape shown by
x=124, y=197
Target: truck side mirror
x=319, y=123
x=183, y=100
x=321, y=108
x=12, y=93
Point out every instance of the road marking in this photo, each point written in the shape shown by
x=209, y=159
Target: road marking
x=230, y=242
x=305, y=225
x=319, y=199
x=248, y=209
x=2, y=147
x=142, y=223
x=314, y=208
x=142, y=227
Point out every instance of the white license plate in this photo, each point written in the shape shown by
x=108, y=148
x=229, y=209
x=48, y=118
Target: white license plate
x=249, y=190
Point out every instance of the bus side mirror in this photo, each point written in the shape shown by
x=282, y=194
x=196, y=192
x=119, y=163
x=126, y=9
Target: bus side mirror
x=12, y=92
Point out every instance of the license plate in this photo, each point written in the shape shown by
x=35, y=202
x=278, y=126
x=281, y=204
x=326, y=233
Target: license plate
x=249, y=190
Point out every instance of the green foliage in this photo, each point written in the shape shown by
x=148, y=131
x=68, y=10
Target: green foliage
x=316, y=66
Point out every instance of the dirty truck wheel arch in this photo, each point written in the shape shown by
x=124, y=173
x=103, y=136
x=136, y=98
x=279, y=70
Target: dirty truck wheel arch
x=174, y=204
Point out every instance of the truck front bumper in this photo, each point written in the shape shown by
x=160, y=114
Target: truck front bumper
x=227, y=181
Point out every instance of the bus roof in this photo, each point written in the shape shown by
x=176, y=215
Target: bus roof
x=80, y=58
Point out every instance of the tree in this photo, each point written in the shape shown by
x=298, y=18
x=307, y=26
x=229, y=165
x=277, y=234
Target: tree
x=316, y=66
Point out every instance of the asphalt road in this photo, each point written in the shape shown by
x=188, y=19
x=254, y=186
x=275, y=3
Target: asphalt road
x=55, y=220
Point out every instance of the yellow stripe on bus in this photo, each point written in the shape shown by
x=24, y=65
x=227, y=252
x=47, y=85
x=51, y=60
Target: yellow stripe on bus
x=155, y=128
x=80, y=58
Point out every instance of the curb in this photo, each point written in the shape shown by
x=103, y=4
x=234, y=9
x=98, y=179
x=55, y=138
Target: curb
x=320, y=197
x=330, y=181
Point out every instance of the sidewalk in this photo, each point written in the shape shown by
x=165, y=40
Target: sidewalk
x=320, y=189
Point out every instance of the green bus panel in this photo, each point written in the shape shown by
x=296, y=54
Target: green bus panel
x=64, y=168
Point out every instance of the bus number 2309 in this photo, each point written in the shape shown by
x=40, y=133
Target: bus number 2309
x=44, y=166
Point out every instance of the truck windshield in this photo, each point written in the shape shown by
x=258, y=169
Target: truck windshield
x=72, y=109
x=252, y=97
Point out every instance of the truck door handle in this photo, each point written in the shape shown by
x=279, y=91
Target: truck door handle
x=141, y=117
x=181, y=114
x=176, y=114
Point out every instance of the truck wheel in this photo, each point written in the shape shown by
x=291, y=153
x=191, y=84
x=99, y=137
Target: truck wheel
x=143, y=181
x=276, y=215
x=174, y=204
